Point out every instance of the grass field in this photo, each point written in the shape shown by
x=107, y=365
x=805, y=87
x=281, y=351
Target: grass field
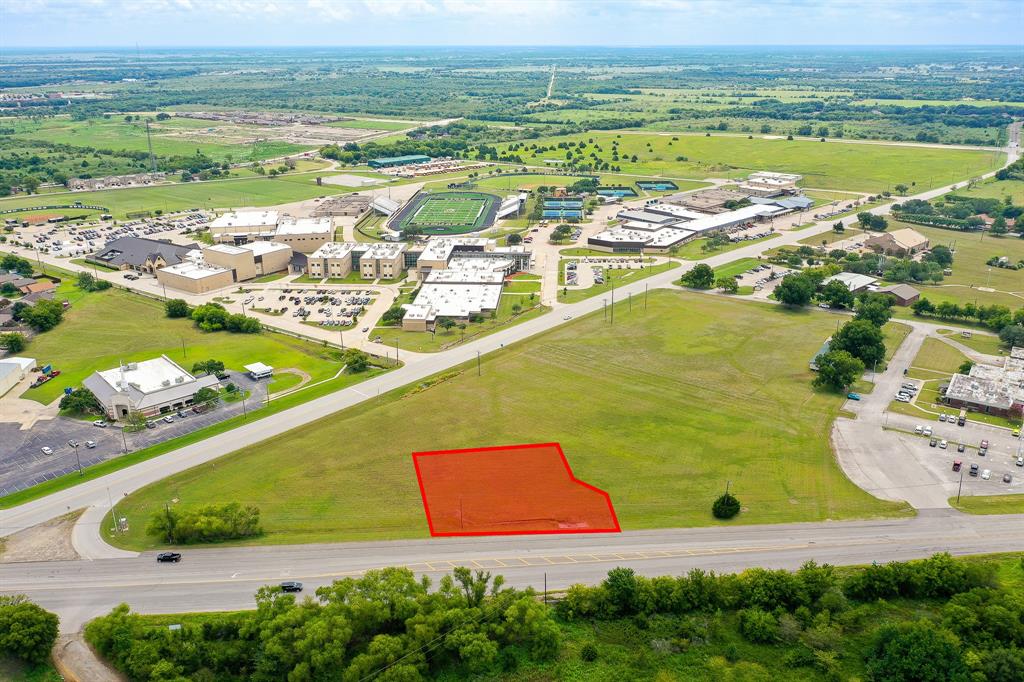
x=938, y=356
x=983, y=343
x=996, y=189
x=619, y=399
x=102, y=329
x=448, y=212
x=693, y=251
x=173, y=197
x=970, y=271
x=990, y=504
x=614, y=277
x=736, y=267
x=836, y=166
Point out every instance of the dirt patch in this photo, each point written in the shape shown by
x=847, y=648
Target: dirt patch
x=77, y=662
x=49, y=541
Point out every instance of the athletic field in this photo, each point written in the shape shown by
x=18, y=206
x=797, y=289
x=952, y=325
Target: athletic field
x=448, y=212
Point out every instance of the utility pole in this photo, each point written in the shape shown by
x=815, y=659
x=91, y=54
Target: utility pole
x=124, y=439
x=630, y=303
x=645, y=295
x=341, y=337
x=961, y=486
x=245, y=414
x=613, y=305
x=478, y=363
x=79, y=461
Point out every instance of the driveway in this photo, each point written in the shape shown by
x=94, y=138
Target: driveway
x=23, y=464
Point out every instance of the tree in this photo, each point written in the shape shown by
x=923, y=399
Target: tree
x=80, y=401
x=837, y=370
x=355, y=360
x=205, y=396
x=514, y=239
x=758, y=626
x=837, y=294
x=998, y=226
x=838, y=228
x=726, y=506
x=445, y=323
x=922, y=306
x=875, y=312
x=208, y=367
x=14, y=342
x=43, y=316
x=901, y=189
x=11, y=263
x=27, y=631
x=965, y=367
x=1012, y=335
x=861, y=339
x=940, y=254
x=915, y=651
x=176, y=307
x=701, y=277
x=210, y=317
x=795, y=290
x=727, y=284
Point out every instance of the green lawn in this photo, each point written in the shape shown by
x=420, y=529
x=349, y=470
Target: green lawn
x=693, y=251
x=613, y=277
x=938, y=356
x=426, y=342
x=736, y=267
x=834, y=166
x=990, y=504
x=894, y=333
x=621, y=401
x=102, y=329
x=996, y=189
x=982, y=343
x=970, y=271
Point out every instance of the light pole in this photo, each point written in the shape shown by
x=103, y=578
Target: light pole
x=245, y=414
x=124, y=439
x=478, y=363
x=961, y=486
x=77, y=460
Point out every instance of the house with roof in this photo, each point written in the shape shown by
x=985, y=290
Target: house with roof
x=149, y=387
x=903, y=293
x=905, y=242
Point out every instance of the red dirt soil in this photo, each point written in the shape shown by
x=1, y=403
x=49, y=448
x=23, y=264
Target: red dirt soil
x=511, y=490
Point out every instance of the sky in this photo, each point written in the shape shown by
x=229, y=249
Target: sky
x=618, y=23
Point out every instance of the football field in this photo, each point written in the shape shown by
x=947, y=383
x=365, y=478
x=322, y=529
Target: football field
x=448, y=212
x=438, y=211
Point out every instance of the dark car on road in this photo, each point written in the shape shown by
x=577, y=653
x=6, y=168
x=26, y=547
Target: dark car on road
x=291, y=586
x=168, y=557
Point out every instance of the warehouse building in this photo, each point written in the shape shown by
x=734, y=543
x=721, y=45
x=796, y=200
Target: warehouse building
x=222, y=265
x=989, y=388
x=304, y=235
x=244, y=226
x=392, y=161
x=150, y=388
x=348, y=205
x=13, y=371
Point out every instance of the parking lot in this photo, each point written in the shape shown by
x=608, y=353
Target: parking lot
x=323, y=307
x=23, y=464
x=588, y=271
x=762, y=278
x=999, y=459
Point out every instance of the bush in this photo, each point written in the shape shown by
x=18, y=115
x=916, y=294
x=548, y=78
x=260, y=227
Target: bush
x=915, y=651
x=27, y=631
x=588, y=652
x=759, y=627
x=209, y=523
x=176, y=307
x=725, y=507
x=14, y=342
x=81, y=401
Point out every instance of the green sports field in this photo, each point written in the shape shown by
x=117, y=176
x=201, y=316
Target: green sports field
x=448, y=212
x=660, y=410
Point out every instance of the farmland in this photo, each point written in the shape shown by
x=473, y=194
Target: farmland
x=619, y=399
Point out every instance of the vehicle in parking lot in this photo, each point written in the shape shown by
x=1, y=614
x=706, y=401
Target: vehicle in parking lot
x=982, y=452
x=960, y=447
x=984, y=444
x=942, y=417
x=90, y=444
x=853, y=396
x=927, y=430
x=1020, y=461
x=291, y=586
x=100, y=423
x=961, y=421
x=974, y=470
x=943, y=443
x=932, y=443
x=1016, y=433
x=957, y=464
x=1007, y=478
x=918, y=429
x=824, y=306
x=903, y=398
x=168, y=557
x=73, y=443
x=182, y=413
x=986, y=474
x=46, y=450
x=169, y=419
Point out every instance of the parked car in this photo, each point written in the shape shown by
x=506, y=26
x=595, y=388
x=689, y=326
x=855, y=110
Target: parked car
x=291, y=586
x=960, y=421
x=982, y=452
x=46, y=450
x=169, y=419
x=853, y=396
x=150, y=424
x=957, y=464
x=984, y=444
x=932, y=443
x=942, y=417
x=1020, y=461
x=90, y=444
x=918, y=429
x=100, y=423
x=182, y=413
x=986, y=474
x=168, y=557
x=943, y=444
x=927, y=430
x=974, y=470
x=960, y=447
x=1007, y=478
x=72, y=443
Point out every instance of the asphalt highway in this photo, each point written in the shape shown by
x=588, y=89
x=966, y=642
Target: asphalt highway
x=226, y=579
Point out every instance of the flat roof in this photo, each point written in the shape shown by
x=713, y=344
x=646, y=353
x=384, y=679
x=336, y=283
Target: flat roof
x=194, y=270
x=852, y=280
x=440, y=248
x=261, y=248
x=379, y=250
x=305, y=226
x=465, y=276
x=245, y=219
x=147, y=376
x=229, y=249
x=334, y=250
x=458, y=300
x=258, y=368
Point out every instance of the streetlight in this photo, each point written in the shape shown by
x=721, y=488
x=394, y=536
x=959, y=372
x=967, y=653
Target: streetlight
x=74, y=444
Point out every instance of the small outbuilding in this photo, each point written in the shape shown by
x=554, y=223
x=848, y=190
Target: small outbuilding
x=258, y=370
x=903, y=293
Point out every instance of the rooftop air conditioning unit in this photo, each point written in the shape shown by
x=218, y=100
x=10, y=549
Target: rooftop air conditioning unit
x=165, y=382
x=179, y=380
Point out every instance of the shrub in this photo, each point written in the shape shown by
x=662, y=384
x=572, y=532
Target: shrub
x=209, y=523
x=176, y=307
x=758, y=626
x=27, y=631
x=725, y=507
x=588, y=652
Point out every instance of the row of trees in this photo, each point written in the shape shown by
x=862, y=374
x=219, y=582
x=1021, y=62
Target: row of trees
x=27, y=631
x=386, y=625
x=995, y=317
x=213, y=317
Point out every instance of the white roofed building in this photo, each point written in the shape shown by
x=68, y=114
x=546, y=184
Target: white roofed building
x=150, y=387
x=304, y=235
x=243, y=226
